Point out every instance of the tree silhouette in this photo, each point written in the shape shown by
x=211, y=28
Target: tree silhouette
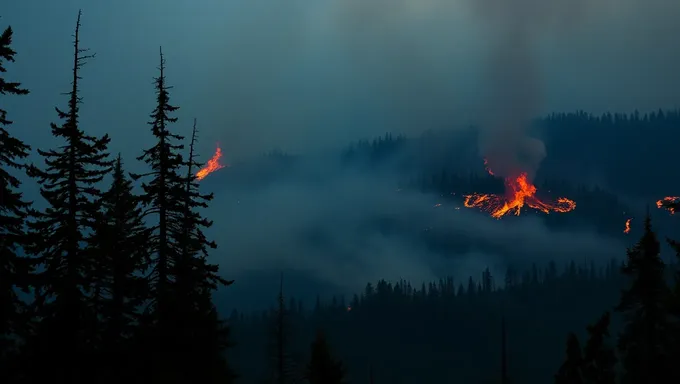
x=282, y=371
x=120, y=243
x=61, y=232
x=595, y=364
x=674, y=306
x=163, y=200
x=643, y=343
x=204, y=336
x=323, y=368
x=570, y=371
x=504, y=352
x=14, y=267
x=599, y=358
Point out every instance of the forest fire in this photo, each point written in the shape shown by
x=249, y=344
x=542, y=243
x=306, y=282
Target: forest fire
x=211, y=166
x=520, y=192
x=627, y=228
x=669, y=203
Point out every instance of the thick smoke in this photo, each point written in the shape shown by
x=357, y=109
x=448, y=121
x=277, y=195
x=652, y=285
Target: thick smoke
x=515, y=85
x=304, y=74
x=345, y=228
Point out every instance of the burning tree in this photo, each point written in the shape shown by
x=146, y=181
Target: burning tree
x=204, y=337
x=669, y=203
x=212, y=165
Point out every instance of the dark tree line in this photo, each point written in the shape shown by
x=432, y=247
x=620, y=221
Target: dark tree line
x=576, y=144
x=451, y=330
x=441, y=330
x=637, y=134
x=120, y=286
x=647, y=350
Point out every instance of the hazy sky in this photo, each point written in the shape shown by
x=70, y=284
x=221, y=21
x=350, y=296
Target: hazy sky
x=297, y=73
x=308, y=74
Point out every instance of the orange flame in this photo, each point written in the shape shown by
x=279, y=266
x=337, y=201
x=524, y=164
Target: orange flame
x=519, y=192
x=669, y=203
x=211, y=166
x=627, y=229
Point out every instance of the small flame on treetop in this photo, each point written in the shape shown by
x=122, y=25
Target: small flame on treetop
x=212, y=165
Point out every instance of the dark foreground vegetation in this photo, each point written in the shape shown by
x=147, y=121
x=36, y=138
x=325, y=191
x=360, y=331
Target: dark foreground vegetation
x=104, y=285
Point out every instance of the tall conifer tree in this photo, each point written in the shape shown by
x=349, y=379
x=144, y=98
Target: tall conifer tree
x=323, y=368
x=571, y=370
x=14, y=266
x=643, y=344
x=68, y=183
x=281, y=364
x=163, y=202
x=599, y=357
x=205, y=335
x=120, y=246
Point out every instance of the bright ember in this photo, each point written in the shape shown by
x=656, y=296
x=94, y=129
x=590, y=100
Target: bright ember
x=627, y=229
x=669, y=203
x=211, y=166
x=519, y=192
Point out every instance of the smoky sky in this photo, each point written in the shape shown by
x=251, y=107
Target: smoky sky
x=325, y=226
x=305, y=76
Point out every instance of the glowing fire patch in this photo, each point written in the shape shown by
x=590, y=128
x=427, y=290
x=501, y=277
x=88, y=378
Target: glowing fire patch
x=519, y=192
x=211, y=166
x=627, y=228
x=669, y=203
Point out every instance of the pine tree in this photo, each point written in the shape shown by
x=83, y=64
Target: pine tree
x=595, y=364
x=570, y=371
x=205, y=335
x=282, y=371
x=599, y=358
x=504, y=353
x=674, y=307
x=61, y=232
x=323, y=368
x=643, y=344
x=14, y=267
x=163, y=200
x=120, y=244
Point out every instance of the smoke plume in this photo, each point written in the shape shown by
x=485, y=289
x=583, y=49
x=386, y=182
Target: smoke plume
x=514, y=76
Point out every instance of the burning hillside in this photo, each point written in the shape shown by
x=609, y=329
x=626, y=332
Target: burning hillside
x=519, y=192
x=669, y=203
x=212, y=165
